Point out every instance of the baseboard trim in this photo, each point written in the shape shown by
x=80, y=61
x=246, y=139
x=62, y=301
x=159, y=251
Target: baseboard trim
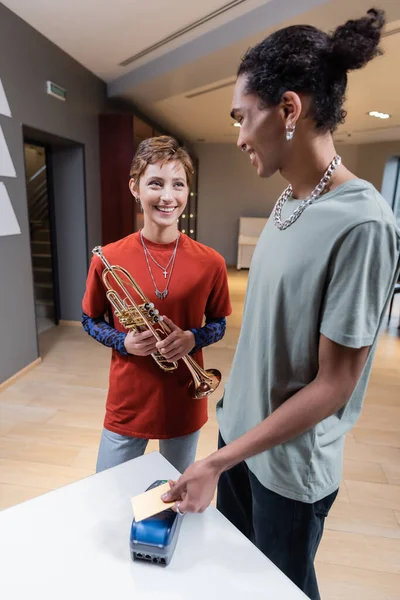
x=71, y=323
x=20, y=373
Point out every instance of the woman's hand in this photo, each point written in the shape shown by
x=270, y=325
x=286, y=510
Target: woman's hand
x=177, y=344
x=140, y=344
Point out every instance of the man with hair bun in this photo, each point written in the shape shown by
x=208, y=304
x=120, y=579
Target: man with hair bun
x=320, y=280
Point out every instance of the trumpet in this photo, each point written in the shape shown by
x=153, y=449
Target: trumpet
x=143, y=316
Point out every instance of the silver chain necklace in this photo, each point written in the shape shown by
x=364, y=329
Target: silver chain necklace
x=164, y=293
x=163, y=269
x=316, y=193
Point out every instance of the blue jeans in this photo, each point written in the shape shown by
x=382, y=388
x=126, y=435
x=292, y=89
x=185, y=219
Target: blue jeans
x=115, y=449
x=287, y=531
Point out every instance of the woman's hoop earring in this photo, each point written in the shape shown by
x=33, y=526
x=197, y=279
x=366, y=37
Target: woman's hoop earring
x=138, y=201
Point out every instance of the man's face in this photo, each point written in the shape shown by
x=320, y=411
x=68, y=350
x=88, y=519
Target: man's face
x=262, y=130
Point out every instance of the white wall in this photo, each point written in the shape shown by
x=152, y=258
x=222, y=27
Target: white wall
x=229, y=188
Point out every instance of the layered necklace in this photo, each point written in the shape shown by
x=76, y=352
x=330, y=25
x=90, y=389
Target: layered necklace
x=170, y=264
x=316, y=193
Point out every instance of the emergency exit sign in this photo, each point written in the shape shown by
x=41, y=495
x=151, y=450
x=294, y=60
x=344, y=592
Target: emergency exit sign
x=56, y=90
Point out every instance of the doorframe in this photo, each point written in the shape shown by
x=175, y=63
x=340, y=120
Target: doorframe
x=53, y=234
x=51, y=142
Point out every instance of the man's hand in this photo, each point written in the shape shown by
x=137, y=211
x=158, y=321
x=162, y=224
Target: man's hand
x=177, y=344
x=195, y=489
x=140, y=344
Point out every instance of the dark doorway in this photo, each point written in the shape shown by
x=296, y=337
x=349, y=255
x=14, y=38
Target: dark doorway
x=41, y=225
x=56, y=190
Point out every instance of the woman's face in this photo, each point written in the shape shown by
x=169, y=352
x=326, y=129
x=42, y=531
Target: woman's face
x=163, y=192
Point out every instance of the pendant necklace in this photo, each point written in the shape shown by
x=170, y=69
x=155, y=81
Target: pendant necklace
x=160, y=294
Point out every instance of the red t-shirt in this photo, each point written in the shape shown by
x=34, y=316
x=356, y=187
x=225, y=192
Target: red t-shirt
x=144, y=401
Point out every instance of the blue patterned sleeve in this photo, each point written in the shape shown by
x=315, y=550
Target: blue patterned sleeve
x=212, y=332
x=102, y=331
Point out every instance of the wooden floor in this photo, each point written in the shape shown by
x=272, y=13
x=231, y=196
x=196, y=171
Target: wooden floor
x=51, y=418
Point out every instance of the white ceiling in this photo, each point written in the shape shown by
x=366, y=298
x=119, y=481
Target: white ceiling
x=102, y=33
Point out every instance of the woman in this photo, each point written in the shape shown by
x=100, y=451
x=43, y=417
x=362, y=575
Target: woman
x=320, y=280
x=186, y=281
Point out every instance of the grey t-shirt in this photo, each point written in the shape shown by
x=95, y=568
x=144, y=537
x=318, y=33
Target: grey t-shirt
x=331, y=272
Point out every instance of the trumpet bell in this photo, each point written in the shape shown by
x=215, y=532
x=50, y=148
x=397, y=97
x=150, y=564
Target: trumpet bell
x=206, y=386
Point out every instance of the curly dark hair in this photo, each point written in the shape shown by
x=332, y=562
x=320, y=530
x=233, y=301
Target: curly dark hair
x=306, y=60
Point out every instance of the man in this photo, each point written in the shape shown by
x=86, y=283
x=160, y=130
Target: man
x=320, y=280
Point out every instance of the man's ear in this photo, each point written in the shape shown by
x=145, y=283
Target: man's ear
x=292, y=106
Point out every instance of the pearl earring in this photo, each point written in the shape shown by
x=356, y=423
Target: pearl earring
x=290, y=129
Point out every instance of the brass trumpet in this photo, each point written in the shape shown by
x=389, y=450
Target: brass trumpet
x=140, y=317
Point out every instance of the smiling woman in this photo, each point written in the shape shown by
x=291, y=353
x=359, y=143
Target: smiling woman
x=186, y=281
x=161, y=174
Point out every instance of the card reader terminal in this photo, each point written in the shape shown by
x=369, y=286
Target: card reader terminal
x=154, y=539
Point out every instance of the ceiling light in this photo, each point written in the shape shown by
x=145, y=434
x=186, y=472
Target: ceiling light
x=378, y=115
x=236, y=124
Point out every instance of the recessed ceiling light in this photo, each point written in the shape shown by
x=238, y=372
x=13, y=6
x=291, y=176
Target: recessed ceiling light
x=379, y=115
x=236, y=124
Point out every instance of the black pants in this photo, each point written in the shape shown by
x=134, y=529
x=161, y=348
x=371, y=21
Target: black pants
x=287, y=531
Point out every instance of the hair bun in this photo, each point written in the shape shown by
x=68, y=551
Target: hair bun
x=356, y=42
